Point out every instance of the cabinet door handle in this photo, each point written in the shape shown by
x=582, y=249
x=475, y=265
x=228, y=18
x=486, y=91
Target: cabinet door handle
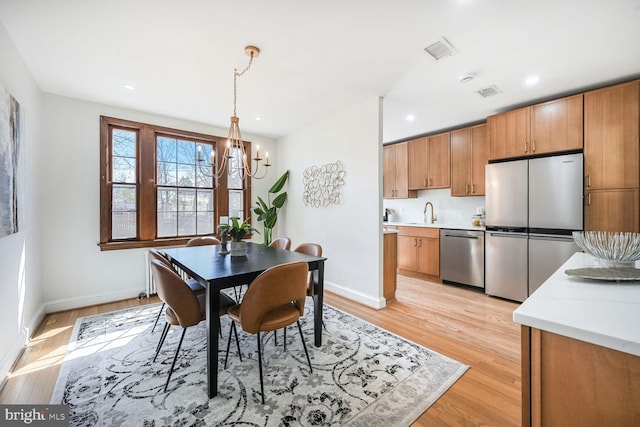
x=430, y=182
x=420, y=245
x=533, y=146
x=415, y=243
x=588, y=180
x=525, y=146
x=473, y=188
x=466, y=189
x=425, y=182
x=588, y=199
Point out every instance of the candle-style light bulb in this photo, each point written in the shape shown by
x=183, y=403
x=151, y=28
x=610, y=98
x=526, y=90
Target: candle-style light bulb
x=213, y=157
x=199, y=153
x=257, y=152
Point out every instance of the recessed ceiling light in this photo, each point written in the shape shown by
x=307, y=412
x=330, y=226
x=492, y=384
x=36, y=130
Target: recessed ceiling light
x=531, y=80
x=466, y=77
x=410, y=117
x=130, y=87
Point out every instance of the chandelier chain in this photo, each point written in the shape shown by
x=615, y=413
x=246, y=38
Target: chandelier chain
x=237, y=74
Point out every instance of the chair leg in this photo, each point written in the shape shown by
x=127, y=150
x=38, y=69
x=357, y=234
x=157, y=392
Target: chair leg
x=226, y=355
x=162, y=338
x=306, y=353
x=285, y=338
x=260, y=366
x=157, y=317
x=174, y=359
x=235, y=332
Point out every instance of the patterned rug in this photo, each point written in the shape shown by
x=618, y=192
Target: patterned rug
x=362, y=375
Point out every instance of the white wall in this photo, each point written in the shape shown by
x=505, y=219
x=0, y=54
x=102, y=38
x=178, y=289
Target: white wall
x=350, y=232
x=20, y=277
x=75, y=272
x=449, y=210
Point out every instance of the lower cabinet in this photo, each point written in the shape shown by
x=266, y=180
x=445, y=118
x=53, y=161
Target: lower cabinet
x=419, y=252
x=567, y=382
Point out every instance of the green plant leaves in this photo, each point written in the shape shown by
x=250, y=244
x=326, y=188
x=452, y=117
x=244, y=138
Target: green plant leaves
x=277, y=186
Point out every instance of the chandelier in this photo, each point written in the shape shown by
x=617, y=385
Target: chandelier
x=234, y=160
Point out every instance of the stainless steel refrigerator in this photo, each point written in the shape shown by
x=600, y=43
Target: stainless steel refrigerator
x=532, y=207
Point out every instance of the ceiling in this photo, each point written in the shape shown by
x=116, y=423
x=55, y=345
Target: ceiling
x=321, y=57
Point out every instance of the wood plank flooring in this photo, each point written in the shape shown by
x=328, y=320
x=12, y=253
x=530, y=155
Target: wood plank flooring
x=460, y=323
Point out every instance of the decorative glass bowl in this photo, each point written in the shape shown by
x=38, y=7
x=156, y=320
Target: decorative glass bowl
x=614, y=250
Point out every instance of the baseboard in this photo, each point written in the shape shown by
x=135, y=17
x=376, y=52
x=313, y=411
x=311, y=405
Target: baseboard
x=367, y=300
x=11, y=357
x=71, y=303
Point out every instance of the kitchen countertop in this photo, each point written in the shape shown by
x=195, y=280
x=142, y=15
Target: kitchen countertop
x=450, y=226
x=598, y=312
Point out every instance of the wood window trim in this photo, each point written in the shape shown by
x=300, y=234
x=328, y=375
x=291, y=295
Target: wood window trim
x=145, y=183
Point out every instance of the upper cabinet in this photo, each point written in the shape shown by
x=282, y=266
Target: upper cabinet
x=612, y=158
x=469, y=155
x=396, y=175
x=430, y=162
x=549, y=127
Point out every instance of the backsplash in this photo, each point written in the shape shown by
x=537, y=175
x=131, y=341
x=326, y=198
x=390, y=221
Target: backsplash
x=452, y=210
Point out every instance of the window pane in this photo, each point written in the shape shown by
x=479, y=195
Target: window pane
x=235, y=166
x=204, y=175
x=205, y=222
x=124, y=169
x=186, y=200
x=186, y=175
x=187, y=223
x=167, y=215
x=124, y=143
x=236, y=204
x=186, y=152
x=123, y=225
x=205, y=200
x=167, y=173
x=123, y=212
x=166, y=149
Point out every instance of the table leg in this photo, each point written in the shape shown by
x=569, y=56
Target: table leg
x=318, y=304
x=213, y=327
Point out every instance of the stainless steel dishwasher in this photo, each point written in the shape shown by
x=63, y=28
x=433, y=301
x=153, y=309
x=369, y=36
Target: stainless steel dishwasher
x=462, y=257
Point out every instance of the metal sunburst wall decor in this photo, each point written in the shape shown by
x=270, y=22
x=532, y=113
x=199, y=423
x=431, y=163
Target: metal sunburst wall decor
x=322, y=184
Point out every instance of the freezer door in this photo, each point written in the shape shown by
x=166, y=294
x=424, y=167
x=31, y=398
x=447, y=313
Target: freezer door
x=506, y=265
x=506, y=194
x=546, y=255
x=555, y=192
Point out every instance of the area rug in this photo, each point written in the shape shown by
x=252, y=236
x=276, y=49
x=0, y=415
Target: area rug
x=362, y=375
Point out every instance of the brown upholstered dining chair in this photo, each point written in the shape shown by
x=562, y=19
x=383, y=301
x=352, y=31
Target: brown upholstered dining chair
x=203, y=241
x=184, y=308
x=315, y=250
x=281, y=243
x=274, y=300
x=196, y=287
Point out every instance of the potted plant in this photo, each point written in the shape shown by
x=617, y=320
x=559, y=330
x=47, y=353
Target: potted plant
x=268, y=212
x=237, y=230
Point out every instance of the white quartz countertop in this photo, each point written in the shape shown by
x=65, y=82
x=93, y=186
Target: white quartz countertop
x=598, y=312
x=447, y=225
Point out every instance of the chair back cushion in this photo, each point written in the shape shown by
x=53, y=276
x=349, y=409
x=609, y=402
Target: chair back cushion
x=203, y=241
x=176, y=294
x=157, y=255
x=315, y=250
x=278, y=286
x=281, y=243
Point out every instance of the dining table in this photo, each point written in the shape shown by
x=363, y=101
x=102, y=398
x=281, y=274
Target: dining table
x=216, y=271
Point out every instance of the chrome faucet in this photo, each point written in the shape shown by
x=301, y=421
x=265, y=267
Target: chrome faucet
x=433, y=217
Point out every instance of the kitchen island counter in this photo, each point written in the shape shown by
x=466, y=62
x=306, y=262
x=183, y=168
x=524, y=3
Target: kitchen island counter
x=598, y=312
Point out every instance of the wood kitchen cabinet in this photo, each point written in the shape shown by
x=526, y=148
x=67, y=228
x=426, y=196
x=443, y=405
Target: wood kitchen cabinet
x=567, y=382
x=430, y=162
x=548, y=127
x=612, y=158
x=396, y=172
x=469, y=155
x=419, y=252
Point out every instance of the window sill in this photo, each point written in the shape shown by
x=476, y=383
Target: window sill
x=138, y=244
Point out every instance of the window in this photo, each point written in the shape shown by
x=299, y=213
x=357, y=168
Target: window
x=157, y=188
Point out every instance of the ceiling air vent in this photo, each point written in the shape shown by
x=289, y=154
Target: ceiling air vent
x=441, y=49
x=489, y=91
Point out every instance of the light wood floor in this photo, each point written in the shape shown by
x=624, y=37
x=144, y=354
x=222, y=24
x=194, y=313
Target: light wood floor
x=460, y=323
